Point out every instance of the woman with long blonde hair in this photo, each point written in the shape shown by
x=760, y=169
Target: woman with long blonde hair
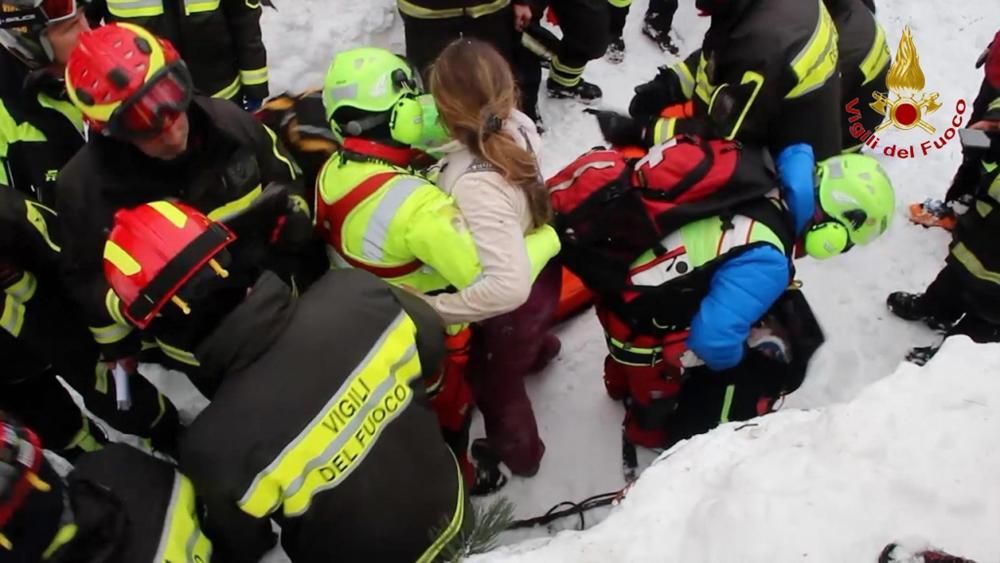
x=491, y=169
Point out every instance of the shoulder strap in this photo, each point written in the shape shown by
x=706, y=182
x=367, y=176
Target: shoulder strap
x=337, y=214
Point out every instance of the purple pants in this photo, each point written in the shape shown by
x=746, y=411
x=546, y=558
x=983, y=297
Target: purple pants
x=504, y=349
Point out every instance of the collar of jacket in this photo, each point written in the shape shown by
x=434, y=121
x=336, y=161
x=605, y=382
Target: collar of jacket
x=246, y=333
x=368, y=149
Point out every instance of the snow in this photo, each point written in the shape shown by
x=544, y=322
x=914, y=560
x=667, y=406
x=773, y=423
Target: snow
x=820, y=485
x=907, y=454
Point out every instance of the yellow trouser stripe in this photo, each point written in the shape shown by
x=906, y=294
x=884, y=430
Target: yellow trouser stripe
x=111, y=333
x=664, y=129
x=413, y=10
x=182, y=538
x=128, y=9
x=113, y=304
x=454, y=526
x=703, y=88
x=253, y=77
x=973, y=265
x=230, y=91
x=196, y=6
x=685, y=78
x=338, y=438
x=620, y=3
x=226, y=211
x=817, y=61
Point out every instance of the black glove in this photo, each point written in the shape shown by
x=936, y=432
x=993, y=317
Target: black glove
x=650, y=98
x=619, y=130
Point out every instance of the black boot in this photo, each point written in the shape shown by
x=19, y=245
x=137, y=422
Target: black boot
x=616, y=51
x=584, y=91
x=651, y=29
x=489, y=477
x=911, y=307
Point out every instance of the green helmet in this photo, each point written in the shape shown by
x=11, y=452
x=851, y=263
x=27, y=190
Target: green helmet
x=374, y=81
x=855, y=191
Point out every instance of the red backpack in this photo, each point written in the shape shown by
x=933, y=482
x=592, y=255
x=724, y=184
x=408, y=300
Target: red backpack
x=610, y=209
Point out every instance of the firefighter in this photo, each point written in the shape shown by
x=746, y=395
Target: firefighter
x=701, y=335
x=766, y=74
x=964, y=298
x=220, y=41
x=321, y=421
x=44, y=335
x=117, y=505
x=152, y=138
x=40, y=130
x=376, y=214
x=864, y=64
x=430, y=25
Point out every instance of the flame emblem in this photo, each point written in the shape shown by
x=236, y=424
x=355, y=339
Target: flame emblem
x=908, y=103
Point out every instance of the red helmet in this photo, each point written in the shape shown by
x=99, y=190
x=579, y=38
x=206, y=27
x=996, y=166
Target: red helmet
x=154, y=249
x=127, y=82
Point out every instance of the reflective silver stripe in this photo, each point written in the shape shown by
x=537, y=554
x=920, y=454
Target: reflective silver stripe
x=321, y=413
x=195, y=6
x=348, y=92
x=135, y=8
x=168, y=518
x=110, y=334
x=347, y=432
x=378, y=224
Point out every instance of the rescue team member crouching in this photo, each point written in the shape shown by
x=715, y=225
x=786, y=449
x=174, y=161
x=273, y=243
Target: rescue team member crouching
x=864, y=64
x=321, y=421
x=221, y=41
x=42, y=335
x=117, y=505
x=152, y=139
x=40, y=130
x=377, y=214
x=766, y=74
x=696, y=333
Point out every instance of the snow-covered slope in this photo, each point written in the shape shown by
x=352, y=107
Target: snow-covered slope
x=908, y=459
x=580, y=425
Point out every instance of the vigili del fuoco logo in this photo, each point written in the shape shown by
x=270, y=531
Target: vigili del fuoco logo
x=906, y=106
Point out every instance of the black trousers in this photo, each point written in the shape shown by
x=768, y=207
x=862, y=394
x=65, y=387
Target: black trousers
x=967, y=176
x=659, y=13
x=949, y=299
x=426, y=38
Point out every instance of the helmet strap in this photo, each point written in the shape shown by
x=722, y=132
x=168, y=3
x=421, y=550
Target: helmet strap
x=398, y=156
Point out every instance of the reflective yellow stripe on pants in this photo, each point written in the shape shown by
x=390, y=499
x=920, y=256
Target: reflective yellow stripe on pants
x=341, y=435
x=17, y=296
x=127, y=9
x=413, y=10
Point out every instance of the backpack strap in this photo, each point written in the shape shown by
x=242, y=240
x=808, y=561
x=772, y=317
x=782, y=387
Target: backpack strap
x=696, y=175
x=337, y=214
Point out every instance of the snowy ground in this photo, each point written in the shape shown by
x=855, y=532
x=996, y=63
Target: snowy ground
x=910, y=462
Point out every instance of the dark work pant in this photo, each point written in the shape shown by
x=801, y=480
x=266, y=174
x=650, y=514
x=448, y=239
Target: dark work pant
x=586, y=32
x=660, y=14
x=426, y=38
x=970, y=171
x=504, y=349
x=947, y=299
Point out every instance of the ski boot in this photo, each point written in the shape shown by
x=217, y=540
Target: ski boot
x=585, y=92
x=910, y=307
x=489, y=477
x=933, y=213
x=661, y=38
x=616, y=51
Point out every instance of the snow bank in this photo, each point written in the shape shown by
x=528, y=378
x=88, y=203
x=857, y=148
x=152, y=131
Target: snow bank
x=911, y=457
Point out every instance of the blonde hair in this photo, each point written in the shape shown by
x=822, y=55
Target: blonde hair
x=474, y=90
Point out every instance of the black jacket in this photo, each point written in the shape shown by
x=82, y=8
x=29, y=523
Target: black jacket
x=322, y=423
x=129, y=506
x=230, y=157
x=40, y=130
x=220, y=41
x=39, y=324
x=756, y=79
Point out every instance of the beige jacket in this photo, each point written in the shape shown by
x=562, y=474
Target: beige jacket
x=498, y=218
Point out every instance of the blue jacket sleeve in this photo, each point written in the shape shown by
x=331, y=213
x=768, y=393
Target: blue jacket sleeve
x=740, y=293
x=797, y=170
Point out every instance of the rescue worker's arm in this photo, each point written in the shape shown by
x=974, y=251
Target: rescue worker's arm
x=672, y=85
x=28, y=235
x=276, y=165
x=741, y=292
x=236, y=536
x=439, y=237
x=83, y=274
x=243, y=17
x=505, y=282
